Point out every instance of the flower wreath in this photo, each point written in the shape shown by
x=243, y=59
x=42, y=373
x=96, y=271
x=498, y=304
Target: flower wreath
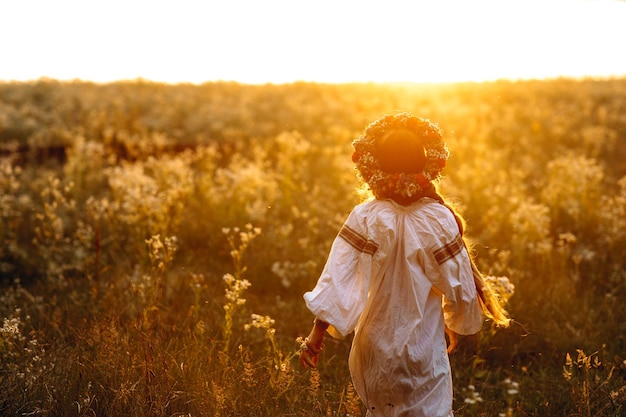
x=384, y=184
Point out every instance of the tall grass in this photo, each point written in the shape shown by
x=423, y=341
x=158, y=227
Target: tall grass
x=156, y=242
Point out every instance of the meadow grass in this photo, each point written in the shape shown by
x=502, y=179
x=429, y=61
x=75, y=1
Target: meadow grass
x=157, y=240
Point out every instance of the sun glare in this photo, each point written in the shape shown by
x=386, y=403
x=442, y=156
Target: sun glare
x=326, y=41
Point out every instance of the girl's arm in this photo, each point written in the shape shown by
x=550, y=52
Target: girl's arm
x=313, y=344
x=453, y=339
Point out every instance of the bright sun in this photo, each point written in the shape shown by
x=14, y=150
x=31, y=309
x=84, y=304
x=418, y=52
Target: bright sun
x=327, y=41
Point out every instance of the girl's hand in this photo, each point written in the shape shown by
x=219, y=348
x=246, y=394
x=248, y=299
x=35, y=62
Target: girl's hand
x=312, y=345
x=453, y=339
x=309, y=355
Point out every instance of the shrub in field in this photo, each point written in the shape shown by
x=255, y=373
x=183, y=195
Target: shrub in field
x=572, y=191
x=13, y=203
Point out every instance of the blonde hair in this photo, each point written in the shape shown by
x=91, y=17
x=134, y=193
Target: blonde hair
x=488, y=300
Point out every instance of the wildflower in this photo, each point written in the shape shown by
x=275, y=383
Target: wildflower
x=572, y=181
x=228, y=279
x=531, y=224
x=11, y=326
x=502, y=287
x=472, y=397
x=566, y=239
x=261, y=322
x=302, y=343
x=512, y=387
x=235, y=284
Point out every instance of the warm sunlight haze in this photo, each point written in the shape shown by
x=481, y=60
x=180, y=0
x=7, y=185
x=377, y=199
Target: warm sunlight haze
x=326, y=41
x=198, y=197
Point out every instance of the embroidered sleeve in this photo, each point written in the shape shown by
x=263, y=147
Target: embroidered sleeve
x=341, y=292
x=451, y=274
x=357, y=240
x=449, y=250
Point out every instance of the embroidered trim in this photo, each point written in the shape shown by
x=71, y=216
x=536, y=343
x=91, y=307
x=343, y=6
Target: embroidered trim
x=449, y=251
x=358, y=241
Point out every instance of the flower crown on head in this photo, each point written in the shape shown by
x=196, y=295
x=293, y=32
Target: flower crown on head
x=404, y=184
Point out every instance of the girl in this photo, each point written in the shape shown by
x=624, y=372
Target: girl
x=399, y=275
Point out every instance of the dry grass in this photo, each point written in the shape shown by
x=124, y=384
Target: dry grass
x=153, y=257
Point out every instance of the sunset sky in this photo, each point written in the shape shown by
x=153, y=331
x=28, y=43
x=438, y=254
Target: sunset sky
x=277, y=41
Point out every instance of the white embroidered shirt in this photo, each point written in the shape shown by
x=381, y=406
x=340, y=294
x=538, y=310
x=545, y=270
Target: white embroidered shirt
x=395, y=274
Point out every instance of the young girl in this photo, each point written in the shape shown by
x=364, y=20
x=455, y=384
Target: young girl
x=399, y=275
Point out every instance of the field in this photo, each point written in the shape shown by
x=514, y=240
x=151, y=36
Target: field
x=156, y=241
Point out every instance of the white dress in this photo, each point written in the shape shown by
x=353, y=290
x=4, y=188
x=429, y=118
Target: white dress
x=395, y=274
